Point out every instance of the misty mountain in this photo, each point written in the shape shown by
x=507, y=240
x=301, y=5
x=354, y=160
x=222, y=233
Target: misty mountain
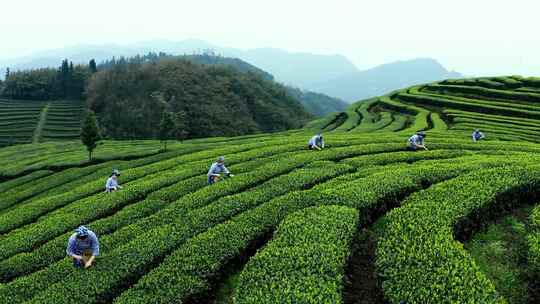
x=383, y=79
x=332, y=75
x=298, y=69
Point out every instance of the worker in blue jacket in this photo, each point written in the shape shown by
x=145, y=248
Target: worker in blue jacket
x=83, y=247
x=217, y=168
x=416, y=141
x=112, y=182
x=316, y=142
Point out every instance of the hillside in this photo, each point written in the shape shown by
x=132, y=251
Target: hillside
x=207, y=100
x=38, y=121
x=382, y=79
x=316, y=103
x=342, y=225
x=504, y=107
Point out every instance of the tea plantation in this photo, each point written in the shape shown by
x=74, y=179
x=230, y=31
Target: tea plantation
x=38, y=121
x=286, y=227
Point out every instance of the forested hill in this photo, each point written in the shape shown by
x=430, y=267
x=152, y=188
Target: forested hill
x=207, y=100
x=317, y=104
x=208, y=58
x=69, y=81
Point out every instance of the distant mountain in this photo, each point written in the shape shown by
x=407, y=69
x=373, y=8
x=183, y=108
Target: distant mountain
x=298, y=69
x=384, y=79
x=316, y=103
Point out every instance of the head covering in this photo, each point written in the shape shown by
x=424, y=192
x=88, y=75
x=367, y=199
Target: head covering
x=82, y=231
x=221, y=159
x=476, y=130
x=115, y=172
x=421, y=133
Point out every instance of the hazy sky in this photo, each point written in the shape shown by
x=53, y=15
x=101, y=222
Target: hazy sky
x=475, y=37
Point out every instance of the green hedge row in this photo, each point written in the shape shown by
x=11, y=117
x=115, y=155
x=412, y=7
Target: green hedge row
x=304, y=263
x=72, y=184
x=166, y=237
x=490, y=84
x=418, y=259
x=55, y=155
x=427, y=91
x=28, y=117
x=405, y=156
x=364, y=109
x=14, y=196
x=61, y=128
x=20, y=112
x=494, y=118
x=497, y=124
x=420, y=115
x=443, y=102
x=104, y=204
x=495, y=134
x=528, y=90
x=189, y=268
x=53, y=251
x=200, y=198
x=353, y=119
x=21, y=182
x=322, y=123
x=366, y=127
x=487, y=128
x=439, y=125
x=399, y=123
x=490, y=94
x=509, y=82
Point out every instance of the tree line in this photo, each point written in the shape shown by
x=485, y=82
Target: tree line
x=66, y=82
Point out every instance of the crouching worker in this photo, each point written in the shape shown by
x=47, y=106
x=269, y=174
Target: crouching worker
x=83, y=247
x=477, y=135
x=112, y=182
x=217, y=168
x=316, y=142
x=416, y=141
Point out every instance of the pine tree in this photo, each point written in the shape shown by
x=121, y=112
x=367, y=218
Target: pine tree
x=166, y=128
x=92, y=65
x=64, y=78
x=90, y=133
x=180, y=125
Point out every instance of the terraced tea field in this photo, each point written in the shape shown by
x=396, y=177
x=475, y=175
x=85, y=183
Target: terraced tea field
x=288, y=226
x=504, y=107
x=35, y=121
